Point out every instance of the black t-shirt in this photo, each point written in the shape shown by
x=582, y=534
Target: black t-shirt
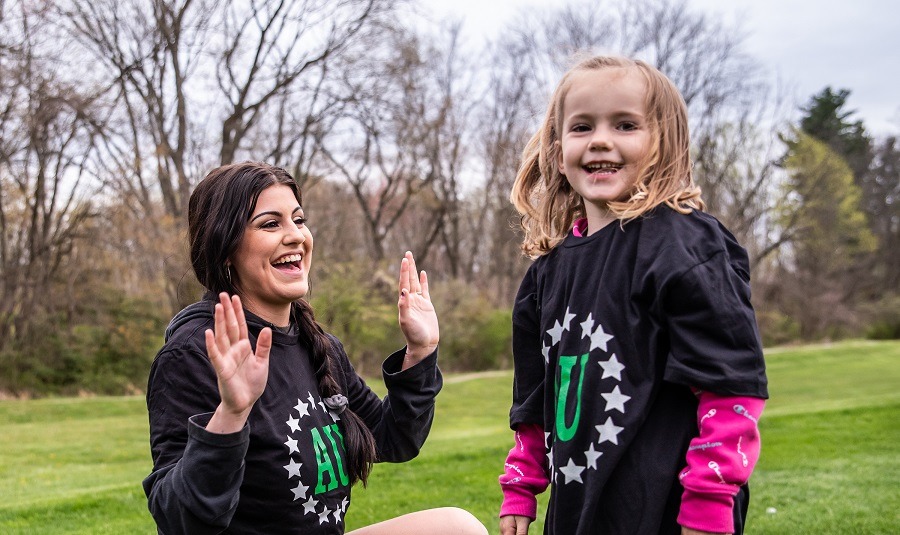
x=285, y=471
x=610, y=331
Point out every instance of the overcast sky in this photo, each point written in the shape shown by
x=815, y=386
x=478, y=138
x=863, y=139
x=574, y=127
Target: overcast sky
x=804, y=44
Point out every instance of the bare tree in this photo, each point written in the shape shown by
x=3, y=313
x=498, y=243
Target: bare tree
x=164, y=62
x=46, y=137
x=271, y=46
x=377, y=145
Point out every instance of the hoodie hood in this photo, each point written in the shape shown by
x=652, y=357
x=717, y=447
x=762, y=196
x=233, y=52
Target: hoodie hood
x=204, y=309
x=201, y=309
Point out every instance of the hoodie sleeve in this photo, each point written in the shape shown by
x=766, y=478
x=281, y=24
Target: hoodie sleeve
x=196, y=477
x=402, y=420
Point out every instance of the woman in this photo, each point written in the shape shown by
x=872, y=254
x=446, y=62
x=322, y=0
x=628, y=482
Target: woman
x=258, y=422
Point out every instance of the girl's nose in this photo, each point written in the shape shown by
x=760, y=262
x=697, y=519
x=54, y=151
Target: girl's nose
x=600, y=140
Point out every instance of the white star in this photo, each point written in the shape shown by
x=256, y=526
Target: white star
x=599, y=338
x=338, y=514
x=556, y=333
x=592, y=456
x=344, y=503
x=612, y=368
x=301, y=407
x=294, y=424
x=587, y=325
x=323, y=516
x=334, y=415
x=291, y=443
x=546, y=351
x=312, y=400
x=572, y=472
x=567, y=319
x=322, y=405
x=609, y=432
x=299, y=491
x=615, y=400
x=293, y=468
x=309, y=506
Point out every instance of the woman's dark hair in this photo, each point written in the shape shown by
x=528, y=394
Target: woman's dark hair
x=218, y=212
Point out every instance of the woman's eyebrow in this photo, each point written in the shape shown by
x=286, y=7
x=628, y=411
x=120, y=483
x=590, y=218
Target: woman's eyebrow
x=275, y=213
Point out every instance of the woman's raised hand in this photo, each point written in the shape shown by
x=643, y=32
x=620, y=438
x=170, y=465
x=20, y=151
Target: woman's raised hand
x=241, y=373
x=418, y=320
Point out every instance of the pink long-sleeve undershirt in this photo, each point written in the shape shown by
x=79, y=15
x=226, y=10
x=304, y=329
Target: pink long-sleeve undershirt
x=719, y=460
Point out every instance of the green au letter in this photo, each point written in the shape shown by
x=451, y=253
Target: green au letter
x=563, y=384
x=323, y=460
x=337, y=454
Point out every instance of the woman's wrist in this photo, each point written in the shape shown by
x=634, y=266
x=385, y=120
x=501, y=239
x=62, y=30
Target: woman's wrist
x=225, y=421
x=415, y=355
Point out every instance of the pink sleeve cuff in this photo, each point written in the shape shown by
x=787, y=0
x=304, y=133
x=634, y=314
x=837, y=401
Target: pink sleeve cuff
x=525, y=474
x=707, y=512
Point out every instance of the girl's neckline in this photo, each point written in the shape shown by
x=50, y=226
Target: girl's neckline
x=578, y=235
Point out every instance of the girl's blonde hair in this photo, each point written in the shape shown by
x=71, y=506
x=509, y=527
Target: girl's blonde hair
x=548, y=204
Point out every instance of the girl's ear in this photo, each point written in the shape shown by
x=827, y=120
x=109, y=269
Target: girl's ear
x=557, y=147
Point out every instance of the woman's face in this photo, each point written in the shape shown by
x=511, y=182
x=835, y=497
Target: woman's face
x=271, y=263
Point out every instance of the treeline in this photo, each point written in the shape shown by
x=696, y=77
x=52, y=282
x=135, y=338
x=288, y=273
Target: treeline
x=404, y=134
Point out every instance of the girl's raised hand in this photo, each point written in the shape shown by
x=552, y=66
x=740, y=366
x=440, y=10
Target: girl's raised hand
x=241, y=373
x=418, y=321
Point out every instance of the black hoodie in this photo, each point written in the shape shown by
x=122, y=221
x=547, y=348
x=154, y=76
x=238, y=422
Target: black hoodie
x=284, y=472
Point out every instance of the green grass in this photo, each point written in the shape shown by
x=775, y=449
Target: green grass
x=829, y=462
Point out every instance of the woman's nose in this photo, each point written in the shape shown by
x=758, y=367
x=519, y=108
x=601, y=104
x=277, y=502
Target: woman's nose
x=294, y=234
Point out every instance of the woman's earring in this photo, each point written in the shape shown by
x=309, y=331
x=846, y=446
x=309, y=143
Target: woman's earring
x=228, y=273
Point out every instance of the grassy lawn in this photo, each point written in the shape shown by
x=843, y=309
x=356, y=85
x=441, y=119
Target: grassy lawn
x=829, y=462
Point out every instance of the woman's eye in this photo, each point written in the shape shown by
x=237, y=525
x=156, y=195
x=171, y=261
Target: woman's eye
x=270, y=224
x=299, y=221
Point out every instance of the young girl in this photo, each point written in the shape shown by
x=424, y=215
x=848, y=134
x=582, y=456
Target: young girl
x=638, y=364
x=258, y=422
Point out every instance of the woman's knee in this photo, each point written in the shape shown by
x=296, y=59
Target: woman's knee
x=461, y=521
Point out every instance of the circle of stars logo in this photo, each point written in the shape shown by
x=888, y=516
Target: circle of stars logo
x=301, y=491
x=608, y=431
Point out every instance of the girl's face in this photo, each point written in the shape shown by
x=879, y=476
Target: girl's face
x=272, y=260
x=604, y=137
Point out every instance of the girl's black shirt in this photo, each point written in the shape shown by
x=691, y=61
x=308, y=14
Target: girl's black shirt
x=610, y=333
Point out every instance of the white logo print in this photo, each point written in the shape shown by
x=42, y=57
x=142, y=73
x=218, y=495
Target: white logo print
x=710, y=414
x=715, y=468
x=304, y=493
x=744, y=412
x=744, y=460
x=597, y=338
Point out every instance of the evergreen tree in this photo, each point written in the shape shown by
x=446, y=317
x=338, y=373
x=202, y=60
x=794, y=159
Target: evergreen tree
x=830, y=237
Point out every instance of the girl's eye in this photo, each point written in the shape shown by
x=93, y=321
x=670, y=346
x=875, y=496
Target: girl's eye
x=628, y=126
x=580, y=128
